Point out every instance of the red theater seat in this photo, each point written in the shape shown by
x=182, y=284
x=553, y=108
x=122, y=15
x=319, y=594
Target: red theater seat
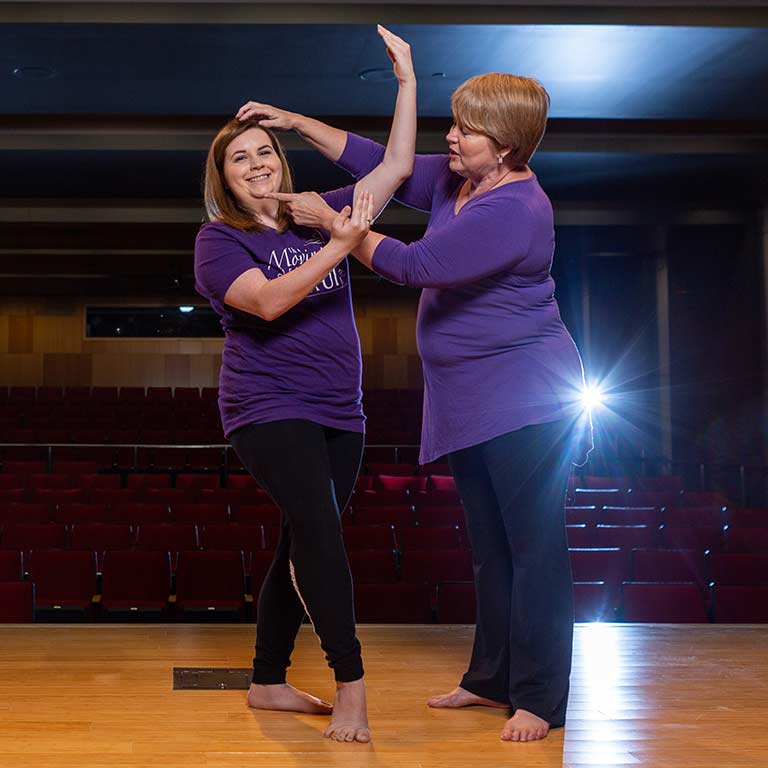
x=652, y=499
x=21, y=512
x=99, y=480
x=739, y=569
x=748, y=518
x=200, y=513
x=197, y=481
x=589, y=515
x=441, y=515
x=172, y=537
x=610, y=565
x=434, y=566
x=35, y=536
x=399, y=483
x=135, y=583
x=64, y=579
x=141, y=513
x=11, y=565
x=83, y=513
x=692, y=537
x=430, y=537
x=210, y=581
x=592, y=601
x=247, y=538
x=49, y=481
x=114, y=497
x=17, y=599
x=365, y=537
x=258, y=514
x=242, y=481
x=386, y=468
x=456, y=603
x=677, y=516
x=393, y=603
x=669, y=565
x=703, y=499
x=580, y=536
x=740, y=605
x=98, y=537
x=599, y=497
x=187, y=395
x=170, y=496
x=667, y=484
x=631, y=516
x=400, y=516
x=57, y=496
x=598, y=482
x=442, y=483
x=372, y=566
x=9, y=482
x=142, y=481
x=667, y=603
x=628, y=536
x=368, y=499
x=747, y=540
x=434, y=498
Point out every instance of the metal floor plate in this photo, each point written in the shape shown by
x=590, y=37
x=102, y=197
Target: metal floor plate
x=211, y=679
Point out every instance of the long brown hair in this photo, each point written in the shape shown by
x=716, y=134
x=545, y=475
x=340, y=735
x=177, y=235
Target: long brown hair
x=220, y=203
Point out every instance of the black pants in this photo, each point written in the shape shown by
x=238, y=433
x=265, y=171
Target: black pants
x=310, y=471
x=513, y=489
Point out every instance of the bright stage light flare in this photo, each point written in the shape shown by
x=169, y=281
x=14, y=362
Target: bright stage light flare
x=592, y=396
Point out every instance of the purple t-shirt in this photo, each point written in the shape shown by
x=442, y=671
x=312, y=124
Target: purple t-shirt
x=495, y=352
x=306, y=364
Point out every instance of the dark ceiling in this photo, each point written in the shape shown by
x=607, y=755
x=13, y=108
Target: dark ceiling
x=115, y=103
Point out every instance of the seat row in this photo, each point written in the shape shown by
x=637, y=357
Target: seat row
x=123, y=596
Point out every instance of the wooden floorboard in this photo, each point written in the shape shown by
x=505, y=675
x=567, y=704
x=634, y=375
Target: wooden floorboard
x=641, y=695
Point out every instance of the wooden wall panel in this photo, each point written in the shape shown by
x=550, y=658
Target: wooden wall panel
x=42, y=343
x=21, y=370
x=21, y=335
x=68, y=369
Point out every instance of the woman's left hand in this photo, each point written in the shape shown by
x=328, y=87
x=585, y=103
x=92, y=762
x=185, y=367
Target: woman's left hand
x=268, y=116
x=400, y=53
x=307, y=209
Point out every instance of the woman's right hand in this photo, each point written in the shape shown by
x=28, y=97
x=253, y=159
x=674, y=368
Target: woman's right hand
x=400, y=53
x=350, y=228
x=268, y=116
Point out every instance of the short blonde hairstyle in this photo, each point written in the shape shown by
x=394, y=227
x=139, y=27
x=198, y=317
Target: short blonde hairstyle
x=220, y=203
x=510, y=110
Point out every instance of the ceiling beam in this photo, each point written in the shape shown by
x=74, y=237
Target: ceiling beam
x=194, y=134
x=737, y=13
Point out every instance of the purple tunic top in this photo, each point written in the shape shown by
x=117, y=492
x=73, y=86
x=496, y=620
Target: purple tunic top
x=495, y=352
x=306, y=364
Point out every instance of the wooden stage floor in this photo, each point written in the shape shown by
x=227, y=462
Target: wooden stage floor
x=651, y=695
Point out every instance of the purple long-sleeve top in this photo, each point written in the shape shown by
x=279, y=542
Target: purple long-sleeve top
x=495, y=352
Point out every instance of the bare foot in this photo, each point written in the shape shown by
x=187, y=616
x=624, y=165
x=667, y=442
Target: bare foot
x=286, y=698
x=524, y=726
x=458, y=697
x=350, y=714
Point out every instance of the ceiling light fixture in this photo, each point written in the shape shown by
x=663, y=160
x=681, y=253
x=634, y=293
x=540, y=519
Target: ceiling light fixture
x=34, y=72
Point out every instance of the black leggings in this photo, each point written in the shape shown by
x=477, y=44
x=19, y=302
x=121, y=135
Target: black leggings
x=513, y=489
x=310, y=471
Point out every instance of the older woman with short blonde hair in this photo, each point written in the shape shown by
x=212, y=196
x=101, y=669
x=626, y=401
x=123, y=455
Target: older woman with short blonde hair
x=502, y=380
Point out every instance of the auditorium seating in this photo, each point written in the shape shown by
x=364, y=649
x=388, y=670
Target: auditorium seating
x=17, y=601
x=135, y=583
x=405, y=528
x=210, y=582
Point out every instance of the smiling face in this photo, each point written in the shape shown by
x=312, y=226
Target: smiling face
x=252, y=167
x=471, y=155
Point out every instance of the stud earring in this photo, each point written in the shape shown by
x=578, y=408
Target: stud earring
x=500, y=159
